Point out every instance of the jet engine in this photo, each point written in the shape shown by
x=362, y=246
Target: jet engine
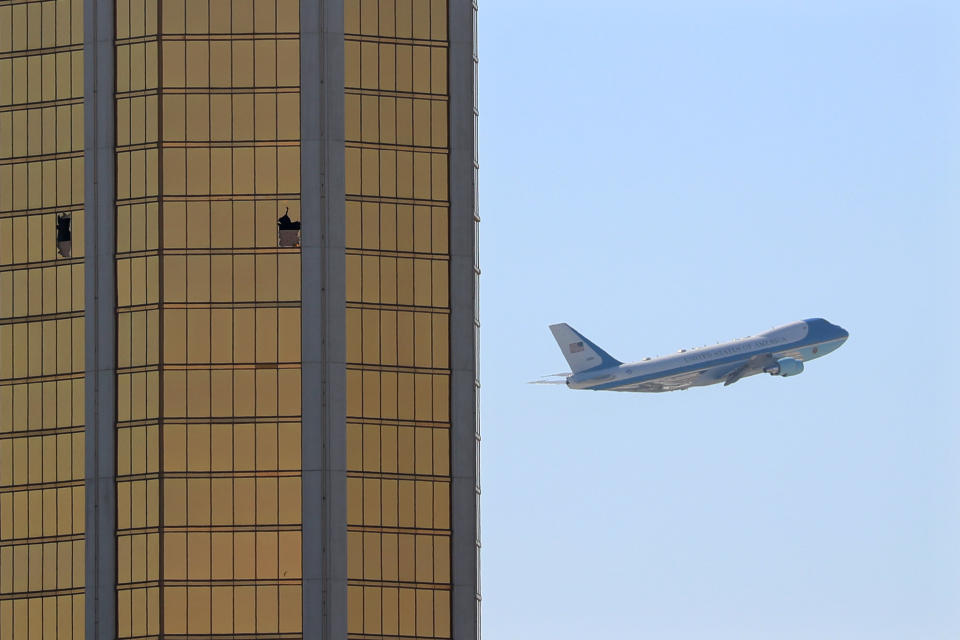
x=785, y=367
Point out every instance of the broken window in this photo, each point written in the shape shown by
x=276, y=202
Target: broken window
x=64, y=235
x=288, y=230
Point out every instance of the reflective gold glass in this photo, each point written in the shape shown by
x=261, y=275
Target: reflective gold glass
x=208, y=318
x=398, y=447
x=41, y=321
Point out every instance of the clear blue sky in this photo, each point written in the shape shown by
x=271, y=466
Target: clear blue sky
x=670, y=174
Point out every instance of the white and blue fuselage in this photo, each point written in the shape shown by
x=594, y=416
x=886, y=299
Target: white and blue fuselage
x=779, y=351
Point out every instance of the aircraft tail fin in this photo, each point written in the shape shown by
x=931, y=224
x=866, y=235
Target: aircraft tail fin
x=581, y=354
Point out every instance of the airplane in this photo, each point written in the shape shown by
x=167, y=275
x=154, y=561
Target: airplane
x=781, y=351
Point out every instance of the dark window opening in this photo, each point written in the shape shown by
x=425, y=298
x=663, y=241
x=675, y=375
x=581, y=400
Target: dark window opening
x=288, y=230
x=64, y=235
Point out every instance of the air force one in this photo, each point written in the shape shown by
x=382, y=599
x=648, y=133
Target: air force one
x=781, y=351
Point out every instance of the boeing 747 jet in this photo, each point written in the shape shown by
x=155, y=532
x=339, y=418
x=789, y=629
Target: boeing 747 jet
x=781, y=351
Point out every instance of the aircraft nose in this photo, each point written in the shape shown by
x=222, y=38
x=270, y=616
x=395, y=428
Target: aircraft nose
x=844, y=334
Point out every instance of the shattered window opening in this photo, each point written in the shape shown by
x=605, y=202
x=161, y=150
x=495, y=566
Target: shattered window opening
x=64, y=235
x=288, y=230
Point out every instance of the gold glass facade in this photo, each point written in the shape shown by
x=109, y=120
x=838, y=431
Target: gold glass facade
x=41, y=321
x=208, y=539
x=208, y=319
x=398, y=313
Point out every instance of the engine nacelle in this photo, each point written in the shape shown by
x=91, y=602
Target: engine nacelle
x=785, y=367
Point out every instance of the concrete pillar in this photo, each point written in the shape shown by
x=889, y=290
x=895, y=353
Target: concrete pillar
x=100, y=338
x=464, y=437
x=324, y=458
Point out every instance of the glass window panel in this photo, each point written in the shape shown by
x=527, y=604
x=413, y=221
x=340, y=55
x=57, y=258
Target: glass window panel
x=288, y=63
x=441, y=558
x=406, y=556
x=288, y=266
x=242, y=58
x=221, y=346
x=174, y=171
x=289, y=614
x=368, y=17
x=421, y=122
x=387, y=67
x=288, y=116
x=197, y=117
x=390, y=503
x=354, y=501
x=351, y=50
x=267, y=610
x=221, y=447
x=441, y=452
x=244, y=447
x=371, y=610
x=220, y=16
x=198, y=278
x=288, y=16
x=173, y=16
x=354, y=555
x=424, y=558
x=221, y=393
x=196, y=16
x=288, y=435
x=439, y=176
x=244, y=513
x=265, y=63
x=421, y=69
x=289, y=392
x=221, y=501
x=404, y=57
x=442, y=612
x=388, y=444
x=221, y=560
x=352, y=16
x=244, y=389
x=438, y=19
x=266, y=387
x=123, y=68
x=288, y=335
x=441, y=505
x=198, y=502
x=174, y=62
x=137, y=66
x=198, y=393
x=288, y=169
x=197, y=52
x=244, y=607
x=421, y=19
x=369, y=75
x=424, y=612
x=198, y=171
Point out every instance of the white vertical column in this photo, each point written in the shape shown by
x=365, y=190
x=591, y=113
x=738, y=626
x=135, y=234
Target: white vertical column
x=464, y=323
x=100, y=301
x=323, y=333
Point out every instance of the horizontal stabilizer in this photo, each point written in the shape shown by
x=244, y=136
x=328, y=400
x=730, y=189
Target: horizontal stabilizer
x=547, y=378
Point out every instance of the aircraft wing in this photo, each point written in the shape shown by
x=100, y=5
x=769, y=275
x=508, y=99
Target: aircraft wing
x=667, y=383
x=706, y=375
x=755, y=363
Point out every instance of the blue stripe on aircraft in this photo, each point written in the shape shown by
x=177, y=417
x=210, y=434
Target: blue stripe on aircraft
x=822, y=332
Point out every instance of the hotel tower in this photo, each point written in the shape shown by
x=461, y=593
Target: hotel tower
x=238, y=321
